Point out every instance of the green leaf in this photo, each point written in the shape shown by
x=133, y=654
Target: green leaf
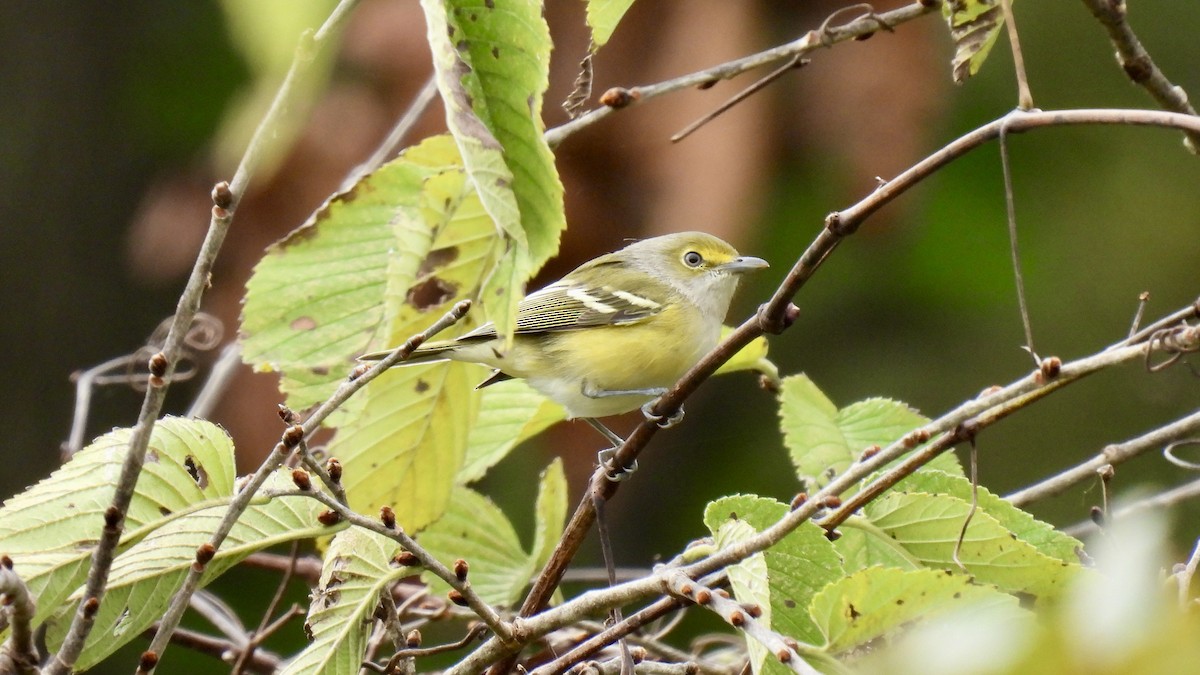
x=551, y=512
x=509, y=412
x=603, y=17
x=474, y=529
x=315, y=301
x=974, y=27
x=492, y=64
x=927, y=527
x=144, y=578
x=407, y=443
x=1041, y=536
x=358, y=568
x=856, y=611
x=50, y=529
x=824, y=441
x=784, y=578
x=751, y=357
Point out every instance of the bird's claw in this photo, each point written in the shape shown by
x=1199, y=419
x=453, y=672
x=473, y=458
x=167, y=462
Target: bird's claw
x=613, y=471
x=663, y=421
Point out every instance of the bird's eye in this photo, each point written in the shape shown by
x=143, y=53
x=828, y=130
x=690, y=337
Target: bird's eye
x=692, y=259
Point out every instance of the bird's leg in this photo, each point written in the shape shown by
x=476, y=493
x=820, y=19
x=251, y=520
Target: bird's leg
x=591, y=392
x=612, y=471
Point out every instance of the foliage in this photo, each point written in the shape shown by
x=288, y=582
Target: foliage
x=472, y=215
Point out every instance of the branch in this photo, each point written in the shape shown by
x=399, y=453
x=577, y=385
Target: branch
x=812, y=41
x=1138, y=65
x=779, y=313
x=293, y=437
x=19, y=654
x=1156, y=502
x=1110, y=455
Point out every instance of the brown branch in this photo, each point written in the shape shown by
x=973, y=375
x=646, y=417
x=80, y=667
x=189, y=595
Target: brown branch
x=263, y=662
x=778, y=313
x=1139, y=66
x=602, y=639
x=810, y=42
x=19, y=654
x=291, y=440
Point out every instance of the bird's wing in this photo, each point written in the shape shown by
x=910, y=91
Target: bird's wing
x=566, y=305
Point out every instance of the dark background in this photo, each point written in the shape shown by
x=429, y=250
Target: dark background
x=116, y=118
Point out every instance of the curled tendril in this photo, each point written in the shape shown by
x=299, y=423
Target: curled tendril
x=1170, y=456
x=1175, y=342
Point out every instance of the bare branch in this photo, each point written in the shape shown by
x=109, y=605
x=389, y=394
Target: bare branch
x=18, y=654
x=1112, y=454
x=1157, y=502
x=1139, y=66
x=292, y=438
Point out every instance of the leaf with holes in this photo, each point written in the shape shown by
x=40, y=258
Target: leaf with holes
x=408, y=440
x=824, y=441
x=492, y=64
x=974, y=27
x=358, y=567
x=145, y=577
x=50, y=529
x=856, y=611
x=315, y=301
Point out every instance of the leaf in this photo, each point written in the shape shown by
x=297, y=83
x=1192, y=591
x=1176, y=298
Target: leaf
x=927, y=527
x=408, y=442
x=551, y=512
x=1038, y=534
x=357, y=569
x=856, y=611
x=603, y=17
x=314, y=302
x=492, y=64
x=795, y=569
x=510, y=412
x=974, y=27
x=824, y=441
x=144, y=578
x=751, y=357
x=50, y=529
x=474, y=529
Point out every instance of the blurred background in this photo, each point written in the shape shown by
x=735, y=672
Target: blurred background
x=117, y=118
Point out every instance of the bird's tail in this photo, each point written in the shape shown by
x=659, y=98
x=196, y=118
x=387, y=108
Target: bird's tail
x=430, y=352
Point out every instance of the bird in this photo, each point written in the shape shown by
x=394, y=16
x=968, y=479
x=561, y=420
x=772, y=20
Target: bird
x=616, y=332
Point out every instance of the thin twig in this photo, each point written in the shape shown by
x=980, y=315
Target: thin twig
x=794, y=62
x=1010, y=211
x=263, y=663
x=428, y=561
x=472, y=634
x=1184, y=578
x=598, y=641
x=261, y=632
x=810, y=42
x=776, y=315
x=387, y=149
x=1139, y=66
x=1162, y=500
x=962, y=533
x=223, y=370
x=1024, y=97
x=18, y=655
x=291, y=439
x=1113, y=455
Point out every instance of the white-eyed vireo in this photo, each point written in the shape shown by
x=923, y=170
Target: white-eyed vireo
x=617, y=331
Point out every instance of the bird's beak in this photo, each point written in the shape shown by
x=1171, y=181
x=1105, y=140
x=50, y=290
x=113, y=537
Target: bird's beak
x=743, y=264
